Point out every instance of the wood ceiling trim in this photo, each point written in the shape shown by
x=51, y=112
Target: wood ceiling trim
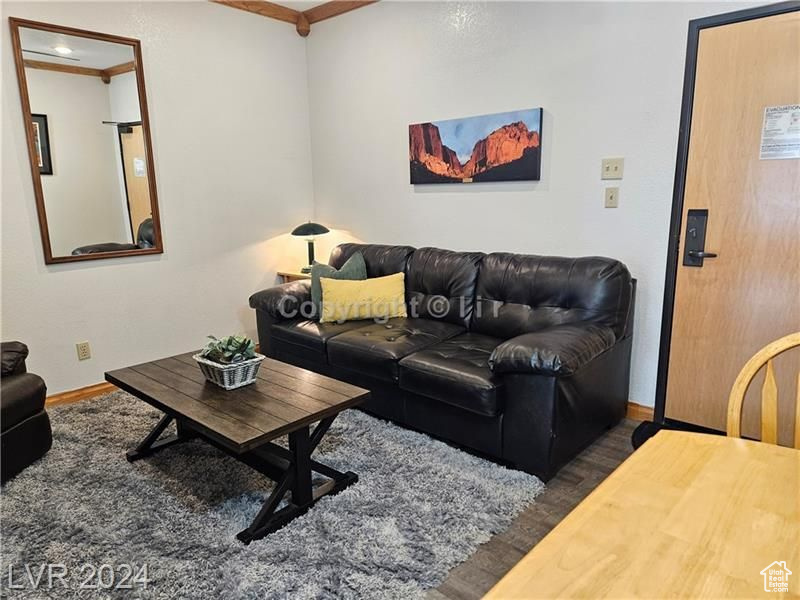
x=104, y=74
x=46, y=66
x=263, y=8
x=120, y=69
x=301, y=20
x=334, y=9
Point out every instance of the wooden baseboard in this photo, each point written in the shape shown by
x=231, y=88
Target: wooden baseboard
x=90, y=391
x=635, y=411
x=638, y=412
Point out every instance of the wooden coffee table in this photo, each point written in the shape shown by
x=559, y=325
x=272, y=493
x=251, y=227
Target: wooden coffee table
x=244, y=422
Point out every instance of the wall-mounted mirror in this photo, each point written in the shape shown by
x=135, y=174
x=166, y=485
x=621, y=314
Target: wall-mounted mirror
x=84, y=100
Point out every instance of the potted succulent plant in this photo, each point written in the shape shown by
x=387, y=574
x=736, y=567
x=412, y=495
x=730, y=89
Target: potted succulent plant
x=230, y=362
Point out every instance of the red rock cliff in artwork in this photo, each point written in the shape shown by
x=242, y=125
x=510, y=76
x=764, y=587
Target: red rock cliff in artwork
x=500, y=147
x=427, y=148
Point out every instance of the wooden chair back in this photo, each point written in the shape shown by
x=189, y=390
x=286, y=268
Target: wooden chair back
x=769, y=392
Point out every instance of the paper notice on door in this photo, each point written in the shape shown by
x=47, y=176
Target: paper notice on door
x=780, y=135
x=138, y=167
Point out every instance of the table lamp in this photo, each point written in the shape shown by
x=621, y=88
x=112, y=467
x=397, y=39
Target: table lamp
x=309, y=231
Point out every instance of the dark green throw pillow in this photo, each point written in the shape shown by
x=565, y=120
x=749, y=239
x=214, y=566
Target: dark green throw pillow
x=354, y=268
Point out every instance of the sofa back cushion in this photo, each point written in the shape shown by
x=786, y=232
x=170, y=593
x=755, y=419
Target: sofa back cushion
x=381, y=260
x=519, y=294
x=13, y=355
x=440, y=284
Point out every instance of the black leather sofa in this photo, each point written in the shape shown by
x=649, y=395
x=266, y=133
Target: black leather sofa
x=145, y=238
x=527, y=362
x=25, y=434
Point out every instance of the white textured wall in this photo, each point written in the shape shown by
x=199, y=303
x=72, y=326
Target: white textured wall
x=227, y=92
x=124, y=98
x=123, y=95
x=230, y=113
x=84, y=204
x=609, y=76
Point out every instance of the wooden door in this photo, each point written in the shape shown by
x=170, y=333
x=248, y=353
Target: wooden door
x=136, y=185
x=748, y=295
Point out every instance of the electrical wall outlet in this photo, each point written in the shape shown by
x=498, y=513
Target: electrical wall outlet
x=612, y=197
x=84, y=351
x=612, y=168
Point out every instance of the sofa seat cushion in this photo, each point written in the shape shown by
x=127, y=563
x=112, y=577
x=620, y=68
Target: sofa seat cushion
x=311, y=334
x=456, y=372
x=23, y=396
x=375, y=350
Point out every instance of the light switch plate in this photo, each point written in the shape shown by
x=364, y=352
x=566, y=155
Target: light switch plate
x=612, y=197
x=611, y=168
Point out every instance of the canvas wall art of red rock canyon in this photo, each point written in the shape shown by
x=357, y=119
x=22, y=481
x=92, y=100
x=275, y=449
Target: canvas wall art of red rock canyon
x=497, y=147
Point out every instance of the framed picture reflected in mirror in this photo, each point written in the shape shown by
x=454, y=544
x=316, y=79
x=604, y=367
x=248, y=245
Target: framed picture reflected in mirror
x=41, y=141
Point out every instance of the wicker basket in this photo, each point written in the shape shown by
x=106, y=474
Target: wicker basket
x=232, y=376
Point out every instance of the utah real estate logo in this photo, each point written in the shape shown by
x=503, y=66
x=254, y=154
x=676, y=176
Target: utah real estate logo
x=776, y=577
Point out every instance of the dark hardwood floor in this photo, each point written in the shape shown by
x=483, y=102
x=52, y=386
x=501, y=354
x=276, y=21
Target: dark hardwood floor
x=474, y=577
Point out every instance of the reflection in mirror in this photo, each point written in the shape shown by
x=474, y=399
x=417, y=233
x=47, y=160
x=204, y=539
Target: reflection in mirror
x=90, y=144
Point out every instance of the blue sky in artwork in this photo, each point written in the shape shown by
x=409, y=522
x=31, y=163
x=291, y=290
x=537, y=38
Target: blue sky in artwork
x=461, y=134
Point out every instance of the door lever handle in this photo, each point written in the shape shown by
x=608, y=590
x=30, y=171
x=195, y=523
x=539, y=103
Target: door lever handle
x=694, y=248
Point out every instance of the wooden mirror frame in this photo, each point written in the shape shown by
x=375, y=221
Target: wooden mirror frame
x=136, y=45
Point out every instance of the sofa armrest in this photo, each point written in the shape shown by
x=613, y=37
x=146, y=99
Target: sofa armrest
x=560, y=350
x=104, y=247
x=13, y=358
x=288, y=301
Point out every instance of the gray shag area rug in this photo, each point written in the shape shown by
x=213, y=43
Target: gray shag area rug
x=420, y=508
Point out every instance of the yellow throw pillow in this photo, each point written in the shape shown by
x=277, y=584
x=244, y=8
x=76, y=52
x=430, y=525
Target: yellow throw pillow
x=351, y=300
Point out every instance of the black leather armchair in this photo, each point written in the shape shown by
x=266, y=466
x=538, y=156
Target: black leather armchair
x=145, y=238
x=25, y=434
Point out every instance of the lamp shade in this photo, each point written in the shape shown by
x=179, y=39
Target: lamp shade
x=310, y=228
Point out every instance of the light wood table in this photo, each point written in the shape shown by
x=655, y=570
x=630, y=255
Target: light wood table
x=288, y=276
x=687, y=515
